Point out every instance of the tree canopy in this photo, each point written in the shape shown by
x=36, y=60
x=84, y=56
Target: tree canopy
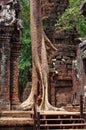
x=72, y=17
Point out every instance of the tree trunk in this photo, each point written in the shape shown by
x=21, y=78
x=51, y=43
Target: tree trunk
x=39, y=59
x=36, y=41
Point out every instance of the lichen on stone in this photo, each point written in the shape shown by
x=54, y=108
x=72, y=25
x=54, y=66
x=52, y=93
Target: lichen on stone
x=7, y=15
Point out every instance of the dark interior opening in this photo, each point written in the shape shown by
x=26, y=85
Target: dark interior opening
x=84, y=65
x=0, y=7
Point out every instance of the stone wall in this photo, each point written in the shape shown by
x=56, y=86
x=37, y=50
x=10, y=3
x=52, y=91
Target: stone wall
x=60, y=61
x=51, y=11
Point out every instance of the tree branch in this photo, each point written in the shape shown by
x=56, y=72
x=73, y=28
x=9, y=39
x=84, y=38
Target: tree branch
x=48, y=40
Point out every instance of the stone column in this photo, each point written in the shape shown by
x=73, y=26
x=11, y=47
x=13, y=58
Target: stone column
x=5, y=36
x=15, y=50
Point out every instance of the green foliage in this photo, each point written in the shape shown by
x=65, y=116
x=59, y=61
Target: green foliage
x=25, y=57
x=72, y=18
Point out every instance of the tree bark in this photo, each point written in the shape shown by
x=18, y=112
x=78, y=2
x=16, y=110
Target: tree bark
x=39, y=59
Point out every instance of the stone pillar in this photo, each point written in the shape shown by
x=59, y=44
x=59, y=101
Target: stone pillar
x=15, y=50
x=5, y=36
x=10, y=44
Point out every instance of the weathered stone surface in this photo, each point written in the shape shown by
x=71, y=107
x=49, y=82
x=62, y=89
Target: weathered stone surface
x=4, y=1
x=5, y=66
x=10, y=45
x=80, y=73
x=63, y=96
x=60, y=63
x=13, y=119
x=51, y=11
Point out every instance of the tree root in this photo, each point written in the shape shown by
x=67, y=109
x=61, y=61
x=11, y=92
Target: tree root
x=28, y=104
x=50, y=43
x=46, y=106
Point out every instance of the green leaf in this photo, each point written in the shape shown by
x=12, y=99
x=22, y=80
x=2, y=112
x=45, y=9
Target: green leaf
x=72, y=18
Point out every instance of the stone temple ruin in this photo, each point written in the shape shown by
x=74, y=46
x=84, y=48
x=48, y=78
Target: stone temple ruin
x=10, y=45
x=67, y=64
x=63, y=81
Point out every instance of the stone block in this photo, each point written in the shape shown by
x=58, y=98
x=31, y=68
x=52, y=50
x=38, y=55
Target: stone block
x=59, y=57
x=69, y=66
x=69, y=61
